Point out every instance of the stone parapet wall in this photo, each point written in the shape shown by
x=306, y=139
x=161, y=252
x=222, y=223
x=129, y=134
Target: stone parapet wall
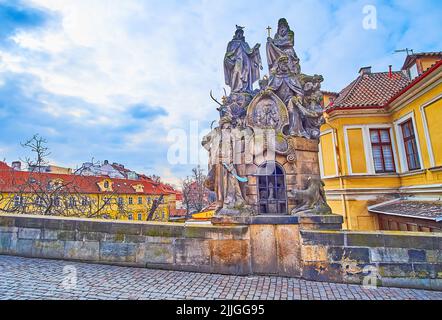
x=398, y=259
x=158, y=245
x=288, y=246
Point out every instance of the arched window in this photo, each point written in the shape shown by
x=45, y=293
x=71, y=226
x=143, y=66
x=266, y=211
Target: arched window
x=271, y=189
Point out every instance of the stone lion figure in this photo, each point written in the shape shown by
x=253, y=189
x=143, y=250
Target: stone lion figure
x=312, y=200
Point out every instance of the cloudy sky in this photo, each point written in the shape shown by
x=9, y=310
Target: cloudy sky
x=111, y=79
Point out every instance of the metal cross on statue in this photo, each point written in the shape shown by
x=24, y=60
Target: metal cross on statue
x=269, y=30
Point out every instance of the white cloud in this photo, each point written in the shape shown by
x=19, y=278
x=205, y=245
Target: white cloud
x=113, y=54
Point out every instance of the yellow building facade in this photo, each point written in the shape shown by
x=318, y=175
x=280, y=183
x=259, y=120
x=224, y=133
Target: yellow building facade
x=382, y=141
x=84, y=196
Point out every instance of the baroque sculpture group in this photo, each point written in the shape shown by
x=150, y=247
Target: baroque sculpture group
x=263, y=156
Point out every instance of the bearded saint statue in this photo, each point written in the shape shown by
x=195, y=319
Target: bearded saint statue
x=283, y=45
x=241, y=64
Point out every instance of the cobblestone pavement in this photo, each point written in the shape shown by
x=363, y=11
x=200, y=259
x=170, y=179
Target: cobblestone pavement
x=22, y=278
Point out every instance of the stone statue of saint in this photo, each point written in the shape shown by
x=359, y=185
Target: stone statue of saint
x=306, y=114
x=283, y=45
x=223, y=177
x=284, y=83
x=241, y=64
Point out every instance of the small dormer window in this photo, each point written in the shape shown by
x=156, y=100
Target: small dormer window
x=413, y=71
x=106, y=184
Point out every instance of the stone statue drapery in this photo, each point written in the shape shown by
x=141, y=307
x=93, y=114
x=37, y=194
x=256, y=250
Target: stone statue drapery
x=283, y=45
x=241, y=64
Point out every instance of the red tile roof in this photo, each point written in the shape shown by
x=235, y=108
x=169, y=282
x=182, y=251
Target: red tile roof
x=4, y=166
x=16, y=181
x=434, y=67
x=378, y=90
x=372, y=90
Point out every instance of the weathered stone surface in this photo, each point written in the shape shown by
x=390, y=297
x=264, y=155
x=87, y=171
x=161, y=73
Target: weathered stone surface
x=289, y=168
x=7, y=221
x=164, y=240
x=117, y=252
x=8, y=229
x=115, y=237
x=288, y=250
x=193, y=252
x=24, y=247
x=162, y=230
x=424, y=270
x=302, y=144
x=397, y=240
x=50, y=234
x=417, y=255
x=52, y=249
x=307, y=156
x=155, y=253
x=89, y=236
x=66, y=235
x=263, y=244
x=322, y=271
x=8, y=242
x=230, y=256
x=134, y=239
x=359, y=255
x=251, y=169
x=356, y=239
x=314, y=253
x=31, y=234
x=401, y=270
x=331, y=238
x=82, y=250
x=56, y=224
x=310, y=167
x=399, y=255
x=29, y=222
x=434, y=256
x=290, y=181
x=214, y=232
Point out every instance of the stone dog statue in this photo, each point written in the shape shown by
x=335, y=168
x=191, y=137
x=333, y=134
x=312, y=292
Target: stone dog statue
x=312, y=200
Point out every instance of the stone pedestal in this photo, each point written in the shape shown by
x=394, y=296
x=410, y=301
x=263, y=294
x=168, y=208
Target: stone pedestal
x=320, y=222
x=274, y=242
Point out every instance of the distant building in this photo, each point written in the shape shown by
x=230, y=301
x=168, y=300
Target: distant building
x=105, y=169
x=50, y=169
x=107, y=197
x=381, y=151
x=17, y=166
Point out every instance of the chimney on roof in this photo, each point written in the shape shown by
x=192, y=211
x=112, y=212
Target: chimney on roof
x=365, y=70
x=390, y=72
x=16, y=166
x=106, y=162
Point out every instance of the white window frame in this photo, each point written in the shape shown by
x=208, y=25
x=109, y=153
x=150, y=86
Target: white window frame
x=367, y=136
x=321, y=159
x=400, y=140
x=39, y=201
x=427, y=130
x=366, y=140
x=18, y=201
x=413, y=69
